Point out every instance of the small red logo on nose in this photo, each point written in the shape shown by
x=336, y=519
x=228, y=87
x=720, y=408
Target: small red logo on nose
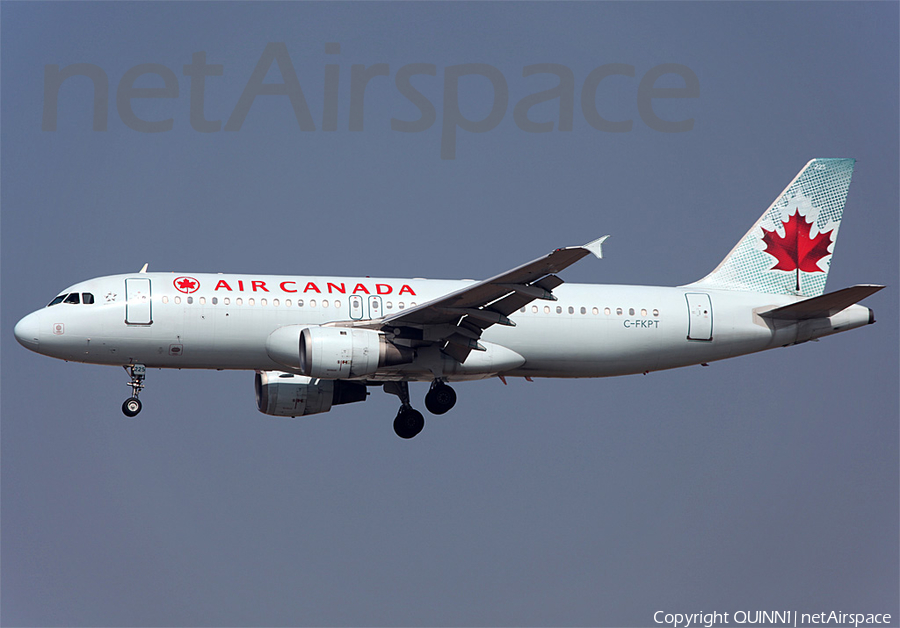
x=186, y=285
x=59, y=329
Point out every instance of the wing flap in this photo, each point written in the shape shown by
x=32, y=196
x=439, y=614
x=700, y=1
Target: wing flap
x=457, y=352
x=549, y=282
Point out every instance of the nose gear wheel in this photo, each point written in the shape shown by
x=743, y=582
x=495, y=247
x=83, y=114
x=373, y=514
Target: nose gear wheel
x=132, y=405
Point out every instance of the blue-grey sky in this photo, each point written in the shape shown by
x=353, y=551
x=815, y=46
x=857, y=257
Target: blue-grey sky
x=768, y=482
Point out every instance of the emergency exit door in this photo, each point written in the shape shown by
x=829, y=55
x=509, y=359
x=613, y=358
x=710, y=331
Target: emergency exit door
x=137, y=302
x=356, y=307
x=700, y=319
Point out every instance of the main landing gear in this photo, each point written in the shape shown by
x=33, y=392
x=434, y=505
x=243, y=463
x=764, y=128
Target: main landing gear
x=132, y=405
x=409, y=421
x=440, y=398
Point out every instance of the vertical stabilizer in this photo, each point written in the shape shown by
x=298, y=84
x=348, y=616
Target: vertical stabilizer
x=788, y=250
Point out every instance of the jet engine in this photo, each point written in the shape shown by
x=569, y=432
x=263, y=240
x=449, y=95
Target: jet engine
x=286, y=394
x=335, y=352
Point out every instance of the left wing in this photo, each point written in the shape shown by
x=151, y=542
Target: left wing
x=457, y=320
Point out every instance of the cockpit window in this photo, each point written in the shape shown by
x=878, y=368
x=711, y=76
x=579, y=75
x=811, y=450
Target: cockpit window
x=57, y=300
x=87, y=298
x=72, y=298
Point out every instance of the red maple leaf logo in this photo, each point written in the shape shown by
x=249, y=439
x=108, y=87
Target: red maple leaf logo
x=186, y=284
x=798, y=249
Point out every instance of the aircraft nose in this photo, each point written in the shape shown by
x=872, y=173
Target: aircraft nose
x=28, y=331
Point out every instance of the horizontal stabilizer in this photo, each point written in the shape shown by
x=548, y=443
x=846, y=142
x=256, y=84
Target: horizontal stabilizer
x=822, y=306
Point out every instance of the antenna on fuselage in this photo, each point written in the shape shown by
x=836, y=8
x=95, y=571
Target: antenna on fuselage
x=144, y=268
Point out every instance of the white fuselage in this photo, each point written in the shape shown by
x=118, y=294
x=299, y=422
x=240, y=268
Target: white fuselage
x=218, y=321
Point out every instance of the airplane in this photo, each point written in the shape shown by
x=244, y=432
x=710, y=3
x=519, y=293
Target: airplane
x=315, y=342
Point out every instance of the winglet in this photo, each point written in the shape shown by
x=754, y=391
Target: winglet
x=595, y=247
x=144, y=268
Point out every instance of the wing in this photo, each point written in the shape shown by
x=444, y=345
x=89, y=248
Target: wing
x=457, y=320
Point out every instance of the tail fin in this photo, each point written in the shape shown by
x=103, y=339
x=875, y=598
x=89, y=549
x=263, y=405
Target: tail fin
x=788, y=250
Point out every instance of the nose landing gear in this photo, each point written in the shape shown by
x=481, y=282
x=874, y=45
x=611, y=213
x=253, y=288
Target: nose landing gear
x=132, y=405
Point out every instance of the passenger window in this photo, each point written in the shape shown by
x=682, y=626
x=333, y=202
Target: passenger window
x=299, y=302
x=584, y=310
x=559, y=309
x=389, y=305
x=618, y=311
x=607, y=311
x=338, y=304
x=400, y=305
x=250, y=301
x=215, y=300
x=58, y=299
x=202, y=300
x=312, y=303
x=631, y=311
x=522, y=310
x=655, y=312
x=287, y=303
x=262, y=302
x=534, y=309
x=73, y=299
x=165, y=299
x=177, y=300
x=190, y=300
x=595, y=311
x=239, y=301
x=275, y=302
x=227, y=301
x=546, y=309
x=413, y=304
x=644, y=312
x=87, y=298
x=571, y=310
x=324, y=302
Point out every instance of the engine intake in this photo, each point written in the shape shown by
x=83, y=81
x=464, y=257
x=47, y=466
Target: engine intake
x=286, y=394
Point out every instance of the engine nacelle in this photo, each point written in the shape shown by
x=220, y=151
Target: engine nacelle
x=286, y=394
x=334, y=352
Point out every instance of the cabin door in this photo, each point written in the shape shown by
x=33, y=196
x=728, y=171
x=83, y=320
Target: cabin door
x=700, y=319
x=137, y=301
